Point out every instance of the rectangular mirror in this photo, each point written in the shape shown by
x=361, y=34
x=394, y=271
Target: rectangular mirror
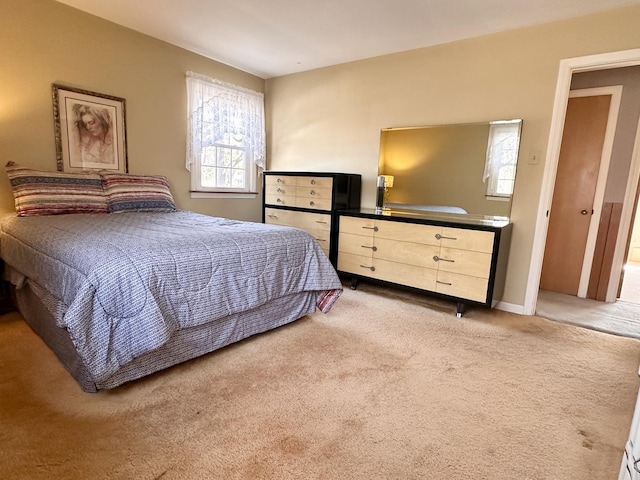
x=464, y=168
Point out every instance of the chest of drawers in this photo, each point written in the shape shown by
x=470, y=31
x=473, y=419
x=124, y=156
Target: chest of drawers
x=309, y=201
x=464, y=261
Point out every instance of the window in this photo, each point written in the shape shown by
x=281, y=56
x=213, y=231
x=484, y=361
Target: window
x=502, y=157
x=225, y=136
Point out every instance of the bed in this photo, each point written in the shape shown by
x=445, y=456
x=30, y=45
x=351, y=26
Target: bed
x=118, y=296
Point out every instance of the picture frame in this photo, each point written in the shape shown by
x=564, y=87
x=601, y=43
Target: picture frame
x=90, y=130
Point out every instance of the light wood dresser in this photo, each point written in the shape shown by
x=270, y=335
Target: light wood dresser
x=309, y=201
x=459, y=257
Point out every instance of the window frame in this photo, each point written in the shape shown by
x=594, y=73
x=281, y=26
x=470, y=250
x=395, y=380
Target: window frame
x=492, y=169
x=250, y=174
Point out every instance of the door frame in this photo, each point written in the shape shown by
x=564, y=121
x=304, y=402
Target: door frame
x=605, y=160
x=631, y=191
x=568, y=67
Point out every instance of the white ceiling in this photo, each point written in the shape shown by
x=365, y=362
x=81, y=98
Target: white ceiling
x=269, y=38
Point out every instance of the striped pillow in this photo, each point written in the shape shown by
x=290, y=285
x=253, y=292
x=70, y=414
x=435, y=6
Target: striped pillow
x=54, y=193
x=137, y=193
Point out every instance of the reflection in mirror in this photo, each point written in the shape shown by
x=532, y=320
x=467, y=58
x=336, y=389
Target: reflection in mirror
x=465, y=168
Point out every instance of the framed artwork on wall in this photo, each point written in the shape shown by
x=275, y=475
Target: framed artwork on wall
x=90, y=130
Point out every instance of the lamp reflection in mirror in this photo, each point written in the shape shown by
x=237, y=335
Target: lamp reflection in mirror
x=388, y=182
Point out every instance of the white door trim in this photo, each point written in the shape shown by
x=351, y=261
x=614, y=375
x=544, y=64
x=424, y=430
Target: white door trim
x=614, y=108
x=625, y=221
x=567, y=68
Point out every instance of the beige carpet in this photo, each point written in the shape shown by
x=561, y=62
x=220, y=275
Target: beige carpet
x=617, y=318
x=386, y=386
x=621, y=317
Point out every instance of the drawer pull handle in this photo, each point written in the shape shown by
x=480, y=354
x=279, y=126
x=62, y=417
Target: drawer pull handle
x=311, y=203
x=312, y=192
x=279, y=180
x=375, y=229
x=279, y=200
x=271, y=215
x=321, y=239
x=279, y=190
x=313, y=182
x=440, y=237
x=374, y=248
x=440, y=259
x=444, y=283
x=373, y=269
x=321, y=221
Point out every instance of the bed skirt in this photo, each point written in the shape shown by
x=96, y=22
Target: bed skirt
x=182, y=346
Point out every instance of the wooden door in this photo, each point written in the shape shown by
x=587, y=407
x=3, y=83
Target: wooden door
x=574, y=192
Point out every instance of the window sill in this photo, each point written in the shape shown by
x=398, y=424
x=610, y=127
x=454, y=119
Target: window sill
x=234, y=195
x=497, y=199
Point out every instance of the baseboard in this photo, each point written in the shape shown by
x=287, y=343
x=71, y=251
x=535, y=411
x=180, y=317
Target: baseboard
x=510, y=307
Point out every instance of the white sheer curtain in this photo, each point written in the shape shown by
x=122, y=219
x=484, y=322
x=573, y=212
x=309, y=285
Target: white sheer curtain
x=502, y=150
x=217, y=108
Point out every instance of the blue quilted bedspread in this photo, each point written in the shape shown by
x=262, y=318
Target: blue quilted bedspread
x=123, y=283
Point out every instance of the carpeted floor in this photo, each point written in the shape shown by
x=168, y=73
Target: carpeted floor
x=388, y=385
x=621, y=317
x=617, y=318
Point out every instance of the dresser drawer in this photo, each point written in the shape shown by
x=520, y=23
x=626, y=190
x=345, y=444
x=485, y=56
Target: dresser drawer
x=408, y=232
x=303, y=220
x=357, y=226
x=280, y=180
x=317, y=225
x=400, y=273
x=322, y=237
x=462, y=286
x=355, y=244
x=352, y=263
x=313, y=192
x=403, y=274
x=275, y=189
x=474, y=240
x=315, y=182
x=408, y=253
x=282, y=200
x=313, y=203
x=475, y=264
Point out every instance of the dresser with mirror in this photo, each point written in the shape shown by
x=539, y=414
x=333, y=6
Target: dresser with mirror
x=442, y=224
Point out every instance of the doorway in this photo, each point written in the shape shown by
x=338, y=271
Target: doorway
x=568, y=68
x=583, y=167
x=630, y=289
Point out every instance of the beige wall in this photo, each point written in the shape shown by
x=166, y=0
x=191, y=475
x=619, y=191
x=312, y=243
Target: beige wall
x=329, y=119
x=45, y=42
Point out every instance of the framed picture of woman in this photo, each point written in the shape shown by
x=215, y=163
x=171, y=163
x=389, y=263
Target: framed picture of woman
x=89, y=129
